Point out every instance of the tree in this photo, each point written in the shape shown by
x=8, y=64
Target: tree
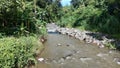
x=75, y=3
x=44, y=3
x=97, y=15
x=51, y=8
x=16, y=16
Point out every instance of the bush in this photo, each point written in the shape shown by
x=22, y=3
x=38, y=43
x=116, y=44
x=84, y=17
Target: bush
x=17, y=52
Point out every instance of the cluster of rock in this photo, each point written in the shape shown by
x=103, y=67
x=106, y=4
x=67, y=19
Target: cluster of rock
x=89, y=37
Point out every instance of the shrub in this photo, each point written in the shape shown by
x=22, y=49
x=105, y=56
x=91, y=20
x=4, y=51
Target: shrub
x=17, y=52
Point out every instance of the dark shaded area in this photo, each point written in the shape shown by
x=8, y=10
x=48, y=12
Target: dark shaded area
x=98, y=36
x=105, y=23
x=53, y=32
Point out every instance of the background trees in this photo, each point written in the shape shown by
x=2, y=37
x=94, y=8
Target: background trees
x=25, y=16
x=95, y=15
x=16, y=16
x=52, y=9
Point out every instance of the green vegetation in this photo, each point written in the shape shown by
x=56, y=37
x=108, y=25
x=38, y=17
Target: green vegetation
x=22, y=17
x=18, y=17
x=20, y=20
x=22, y=23
x=95, y=15
x=111, y=46
x=17, y=52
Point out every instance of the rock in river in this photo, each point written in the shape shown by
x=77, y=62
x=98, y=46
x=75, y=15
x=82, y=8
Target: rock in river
x=41, y=59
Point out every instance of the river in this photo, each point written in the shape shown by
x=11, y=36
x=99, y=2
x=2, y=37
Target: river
x=62, y=51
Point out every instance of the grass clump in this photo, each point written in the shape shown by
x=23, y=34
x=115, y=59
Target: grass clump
x=110, y=45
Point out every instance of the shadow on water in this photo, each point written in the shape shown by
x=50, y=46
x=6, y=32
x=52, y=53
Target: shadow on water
x=53, y=32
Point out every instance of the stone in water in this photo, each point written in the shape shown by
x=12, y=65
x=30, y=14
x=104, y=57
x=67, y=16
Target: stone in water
x=58, y=44
x=41, y=59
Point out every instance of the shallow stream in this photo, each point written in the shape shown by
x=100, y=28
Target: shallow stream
x=62, y=51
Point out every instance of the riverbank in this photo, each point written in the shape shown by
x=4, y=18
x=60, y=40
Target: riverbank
x=101, y=40
x=63, y=51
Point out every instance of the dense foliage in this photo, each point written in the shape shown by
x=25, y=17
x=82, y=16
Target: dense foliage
x=19, y=18
x=22, y=19
x=15, y=16
x=51, y=8
x=17, y=52
x=95, y=15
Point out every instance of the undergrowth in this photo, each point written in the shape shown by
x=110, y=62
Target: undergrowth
x=17, y=52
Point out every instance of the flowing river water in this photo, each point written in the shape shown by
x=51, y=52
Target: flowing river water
x=62, y=51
